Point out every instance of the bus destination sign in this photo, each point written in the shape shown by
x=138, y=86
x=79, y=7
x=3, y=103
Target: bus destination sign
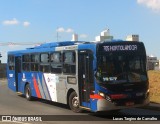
x=112, y=48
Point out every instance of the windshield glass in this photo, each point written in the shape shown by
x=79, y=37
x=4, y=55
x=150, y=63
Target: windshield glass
x=114, y=68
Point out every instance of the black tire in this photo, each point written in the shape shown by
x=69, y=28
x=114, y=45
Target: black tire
x=28, y=93
x=74, y=102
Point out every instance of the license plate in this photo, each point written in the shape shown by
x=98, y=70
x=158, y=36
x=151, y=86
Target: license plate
x=129, y=103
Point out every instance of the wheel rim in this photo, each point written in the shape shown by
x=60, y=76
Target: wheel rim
x=75, y=102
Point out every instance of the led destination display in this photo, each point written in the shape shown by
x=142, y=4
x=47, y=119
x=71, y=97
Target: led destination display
x=110, y=48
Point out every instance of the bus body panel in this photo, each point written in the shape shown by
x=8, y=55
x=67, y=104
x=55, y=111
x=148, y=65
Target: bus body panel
x=104, y=105
x=11, y=80
x=45, y=85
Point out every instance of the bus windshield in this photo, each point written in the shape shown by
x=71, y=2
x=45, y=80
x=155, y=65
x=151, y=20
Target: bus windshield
x=116, y=68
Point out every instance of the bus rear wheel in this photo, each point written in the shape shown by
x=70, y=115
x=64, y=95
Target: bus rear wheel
x=74, y=102
x=28, y=92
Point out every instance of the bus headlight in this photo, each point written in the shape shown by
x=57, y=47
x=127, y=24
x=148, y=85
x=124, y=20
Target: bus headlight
x=102, y=94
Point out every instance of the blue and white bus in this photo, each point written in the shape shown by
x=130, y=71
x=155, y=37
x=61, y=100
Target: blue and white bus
x=96, y=76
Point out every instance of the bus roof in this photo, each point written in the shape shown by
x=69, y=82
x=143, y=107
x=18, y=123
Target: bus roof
x=46, y=47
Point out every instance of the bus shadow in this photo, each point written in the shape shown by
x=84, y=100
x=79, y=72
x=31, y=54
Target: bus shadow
x=64, y=106
x=104, y=115
x=34, y=99
x=60, y=105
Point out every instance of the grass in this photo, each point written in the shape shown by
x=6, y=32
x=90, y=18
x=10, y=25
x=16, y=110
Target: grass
x=154, y=84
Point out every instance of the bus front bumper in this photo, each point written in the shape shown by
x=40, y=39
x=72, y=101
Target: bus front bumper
x=105, y=105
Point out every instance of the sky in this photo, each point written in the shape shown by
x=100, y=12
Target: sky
x=26, y=23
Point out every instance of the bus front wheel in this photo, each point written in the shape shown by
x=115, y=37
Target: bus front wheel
x=28, y=92
x=74, y=102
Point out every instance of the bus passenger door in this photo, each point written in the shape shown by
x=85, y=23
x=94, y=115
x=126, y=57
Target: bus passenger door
x=85, y=76
x=17, y=70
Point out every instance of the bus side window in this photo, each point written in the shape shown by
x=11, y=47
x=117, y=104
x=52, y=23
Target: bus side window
x=26, y=62
x=34, y=62
x=69, y=65
x=44, y=62
x=56, y=62
x=11, y=62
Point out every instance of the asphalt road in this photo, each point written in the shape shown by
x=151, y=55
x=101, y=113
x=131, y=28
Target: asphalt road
x=11, y=104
